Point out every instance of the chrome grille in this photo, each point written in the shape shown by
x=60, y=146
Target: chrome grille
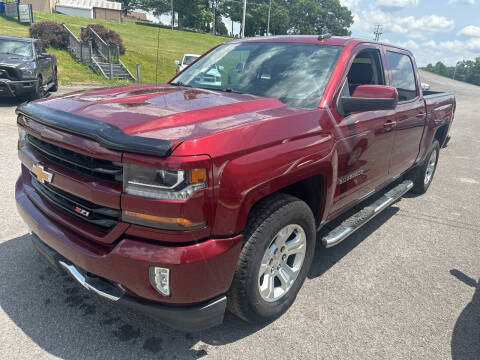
x=104, y=169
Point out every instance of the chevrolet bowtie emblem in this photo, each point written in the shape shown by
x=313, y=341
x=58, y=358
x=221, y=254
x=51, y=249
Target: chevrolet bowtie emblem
x=41, y=174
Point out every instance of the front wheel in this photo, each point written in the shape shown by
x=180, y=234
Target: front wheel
x=278, y=251
x=39, y=92
x=423, y=175
x=54, y=88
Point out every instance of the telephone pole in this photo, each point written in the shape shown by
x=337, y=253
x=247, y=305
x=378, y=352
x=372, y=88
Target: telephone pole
x=214, y=15
x=173, y=14
x=378, y=32
x=268, y=21
x=243, y=18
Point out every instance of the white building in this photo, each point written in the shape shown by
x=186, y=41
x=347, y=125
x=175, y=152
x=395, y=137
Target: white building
x=92, y=9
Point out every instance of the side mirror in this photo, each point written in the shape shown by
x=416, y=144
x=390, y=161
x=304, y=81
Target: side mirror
x=370, y=98
x=425, y=87
x=43, y=56
x=177, y=62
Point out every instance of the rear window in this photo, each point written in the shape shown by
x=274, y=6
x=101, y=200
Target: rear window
x=403, y=75
x=188, y=59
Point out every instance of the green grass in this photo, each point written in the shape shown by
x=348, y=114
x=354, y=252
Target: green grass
x=140, y=41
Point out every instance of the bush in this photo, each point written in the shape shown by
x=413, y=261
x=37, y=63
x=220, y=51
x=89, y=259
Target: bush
x=50, y=34
x=109, y=36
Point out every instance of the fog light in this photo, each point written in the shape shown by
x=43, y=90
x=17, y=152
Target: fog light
x=160, y=279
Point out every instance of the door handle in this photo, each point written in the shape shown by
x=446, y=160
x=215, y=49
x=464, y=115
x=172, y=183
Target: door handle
x=421, y=116
x=389, y=125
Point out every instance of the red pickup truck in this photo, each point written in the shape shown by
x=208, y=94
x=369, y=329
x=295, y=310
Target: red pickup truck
x=207, y=192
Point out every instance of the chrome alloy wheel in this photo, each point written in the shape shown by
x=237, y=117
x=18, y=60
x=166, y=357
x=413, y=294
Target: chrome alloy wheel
x=282, y=262
x=430, y=167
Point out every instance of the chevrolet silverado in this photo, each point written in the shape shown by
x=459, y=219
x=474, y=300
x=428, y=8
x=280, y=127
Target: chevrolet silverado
x=185, y=199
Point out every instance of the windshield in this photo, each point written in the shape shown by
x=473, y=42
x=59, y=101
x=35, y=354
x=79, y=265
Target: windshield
x=188, y=59
x=295, y=74
x=15, y=47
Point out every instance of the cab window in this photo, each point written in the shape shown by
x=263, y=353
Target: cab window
x=403, y=75
x=366, y=69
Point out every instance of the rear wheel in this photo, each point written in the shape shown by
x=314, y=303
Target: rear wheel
x=279, y=246
x=423, y=174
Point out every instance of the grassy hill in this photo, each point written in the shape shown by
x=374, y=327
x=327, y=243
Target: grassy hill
x=140, y=41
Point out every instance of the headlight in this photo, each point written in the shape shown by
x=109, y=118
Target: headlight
x=22, y=138
x=163, y=184
x=28, y=69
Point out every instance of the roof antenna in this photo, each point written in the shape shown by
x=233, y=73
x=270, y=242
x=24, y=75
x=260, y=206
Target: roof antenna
x=325, y=34
x=158, y=47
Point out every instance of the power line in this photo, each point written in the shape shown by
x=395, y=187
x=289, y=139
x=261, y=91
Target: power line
x=378, y=32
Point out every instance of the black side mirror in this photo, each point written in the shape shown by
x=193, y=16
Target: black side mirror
x=370, y=98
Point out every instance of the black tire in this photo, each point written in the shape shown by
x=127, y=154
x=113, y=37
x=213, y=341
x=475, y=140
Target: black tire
x=266, y=219
x=39, y=92
x=54, y=88
x=420, y=184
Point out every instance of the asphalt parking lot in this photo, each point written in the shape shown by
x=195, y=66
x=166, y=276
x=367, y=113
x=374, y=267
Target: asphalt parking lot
x=406, y=286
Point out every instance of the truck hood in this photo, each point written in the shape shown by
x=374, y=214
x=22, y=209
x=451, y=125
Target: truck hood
x=13, y=60
x=165, y=111
x=151, y=119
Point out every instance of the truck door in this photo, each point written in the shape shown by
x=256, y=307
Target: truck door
x=411, y=114
x=44, y=63
x=364, y=143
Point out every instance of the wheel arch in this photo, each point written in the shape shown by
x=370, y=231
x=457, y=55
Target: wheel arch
x=441, y=134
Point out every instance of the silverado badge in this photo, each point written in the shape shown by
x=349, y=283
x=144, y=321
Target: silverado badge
x=41, y=174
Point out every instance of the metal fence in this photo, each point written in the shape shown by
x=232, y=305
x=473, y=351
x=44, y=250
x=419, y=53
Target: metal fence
x=81, y=50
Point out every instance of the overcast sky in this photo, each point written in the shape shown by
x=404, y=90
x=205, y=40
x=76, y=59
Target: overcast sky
x=445, y=30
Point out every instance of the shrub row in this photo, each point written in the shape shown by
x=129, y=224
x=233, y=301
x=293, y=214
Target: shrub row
x=109, y=36
x=52, y=34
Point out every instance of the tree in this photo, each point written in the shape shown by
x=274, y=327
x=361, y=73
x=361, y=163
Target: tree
x=465, y=70
x=181, y=7
x=128, y=5
x=312, y=16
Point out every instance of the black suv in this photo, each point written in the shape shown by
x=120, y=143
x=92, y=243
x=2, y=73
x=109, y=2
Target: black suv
x=25, y=69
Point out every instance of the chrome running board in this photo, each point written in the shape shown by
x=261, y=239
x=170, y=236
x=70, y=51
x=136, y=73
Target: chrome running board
x=356, y=221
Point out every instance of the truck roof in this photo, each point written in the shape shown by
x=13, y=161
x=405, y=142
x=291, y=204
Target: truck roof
x=311, y=39
x=16, y=38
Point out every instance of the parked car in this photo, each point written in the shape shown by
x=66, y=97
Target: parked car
x=195, y=199
x=187, y=59
x=25, y=69
x=210, y=77
x=425, y=87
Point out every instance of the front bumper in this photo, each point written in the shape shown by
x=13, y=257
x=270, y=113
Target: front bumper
x=189, y=318
x=11, y=88
x=200, y=273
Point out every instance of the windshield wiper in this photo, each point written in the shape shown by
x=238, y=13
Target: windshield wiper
x=179, y=83
x=229, y=90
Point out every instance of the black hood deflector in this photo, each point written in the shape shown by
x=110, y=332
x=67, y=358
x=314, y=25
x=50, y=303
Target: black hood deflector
x=109, y=135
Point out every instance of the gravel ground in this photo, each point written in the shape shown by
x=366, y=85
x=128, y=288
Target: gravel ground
x=403, y=287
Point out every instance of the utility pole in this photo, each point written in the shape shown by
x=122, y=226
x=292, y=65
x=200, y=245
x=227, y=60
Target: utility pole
x=268, y=21
x=243, y=18
x=214, y=15
x=173, y=14
x=378, y=32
